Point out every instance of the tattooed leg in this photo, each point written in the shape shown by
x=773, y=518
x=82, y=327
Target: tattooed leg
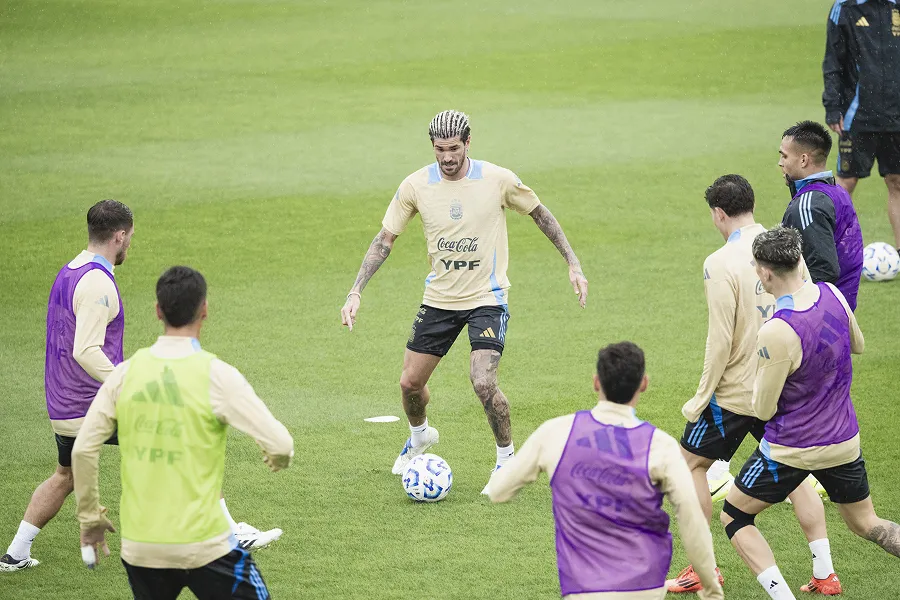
x=483, y=374
x=862, y=520
x=417, y=369
x=886, y=535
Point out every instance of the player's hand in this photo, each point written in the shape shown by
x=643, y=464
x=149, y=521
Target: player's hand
x=94, y=539
x=838, y=127
x=277, y=463
x=348, y=312
x=579, y=283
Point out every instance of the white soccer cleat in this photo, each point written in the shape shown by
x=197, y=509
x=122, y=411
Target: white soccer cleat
x=719, y=488
x=8, y=564
x=251, y=538
x=484, y=492
x=409, y=451
x=720, y=480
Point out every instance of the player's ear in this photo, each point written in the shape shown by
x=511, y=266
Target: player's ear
x=645, y=383
x=159, y=314
x=597, y=384
x=204, y=310
x=720, y=214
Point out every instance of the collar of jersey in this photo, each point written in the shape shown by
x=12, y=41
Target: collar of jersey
x=802, y=183
x=103, y=262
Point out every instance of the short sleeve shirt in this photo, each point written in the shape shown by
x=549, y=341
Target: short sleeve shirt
x=465, y=230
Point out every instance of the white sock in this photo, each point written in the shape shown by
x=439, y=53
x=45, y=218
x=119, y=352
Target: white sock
x=504, y=453
x=231, y=523
x=20, y=547
x=417, y=433
x=773, y=582
x=821, y=553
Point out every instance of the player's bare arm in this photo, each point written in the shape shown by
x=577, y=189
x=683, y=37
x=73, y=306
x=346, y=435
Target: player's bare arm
x=378, y=252
x=547, y=223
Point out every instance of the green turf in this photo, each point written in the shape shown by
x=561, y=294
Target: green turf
x=261, y=141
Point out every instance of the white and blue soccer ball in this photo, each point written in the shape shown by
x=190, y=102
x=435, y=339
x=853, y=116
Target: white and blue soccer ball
x=880, y=262
x=427, y=478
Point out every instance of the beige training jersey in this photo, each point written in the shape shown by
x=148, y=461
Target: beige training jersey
x=668, y=472
x=738, y=306
x=784, y=351
x=465, y=230
x=95, y=303
x=233, y=401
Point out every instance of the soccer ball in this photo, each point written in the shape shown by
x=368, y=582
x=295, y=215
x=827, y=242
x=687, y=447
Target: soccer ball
x=880, y=262
x=427, y=478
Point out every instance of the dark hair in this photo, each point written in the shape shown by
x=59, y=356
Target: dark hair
x=107, y=217
x=180, y=292
x=620, y=368
x=449, y=124
x=812, y=137
x=779, y=249
x=731, y=193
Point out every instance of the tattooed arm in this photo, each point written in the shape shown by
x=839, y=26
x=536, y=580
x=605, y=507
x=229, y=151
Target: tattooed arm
x=547, y=223
x=378, y=252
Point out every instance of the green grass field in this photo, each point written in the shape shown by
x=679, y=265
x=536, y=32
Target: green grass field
x=261, y=141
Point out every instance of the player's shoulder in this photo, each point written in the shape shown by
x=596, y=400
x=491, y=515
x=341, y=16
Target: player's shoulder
x=225, y=376
x=555, y=425
x=96, y=281
x=423, y=176
x=663, y=438
x=717, y=266
x=482, y=169
x=773, y=331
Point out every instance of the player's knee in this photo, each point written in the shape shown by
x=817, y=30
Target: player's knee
x=734, y=519
x=484, y=385
x=64, y=480
x=861, y=524
x=893, y=183
x=411, y=382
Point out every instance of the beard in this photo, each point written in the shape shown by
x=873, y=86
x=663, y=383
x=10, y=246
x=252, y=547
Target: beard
x=451, y=169
x=120, y=256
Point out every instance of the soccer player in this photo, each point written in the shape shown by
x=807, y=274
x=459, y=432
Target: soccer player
x=608, y=474
x=461, y=201
x=720, y=415
x=172, y=404
x=802, y=390
x=85, y=329
x=862, y=94
x=821, y=211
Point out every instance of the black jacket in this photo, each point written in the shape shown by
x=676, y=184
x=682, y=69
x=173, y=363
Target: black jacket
x=862, y=65
x=813, y=215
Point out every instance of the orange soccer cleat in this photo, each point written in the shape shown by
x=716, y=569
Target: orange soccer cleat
x=830, y=586
x=689, y=581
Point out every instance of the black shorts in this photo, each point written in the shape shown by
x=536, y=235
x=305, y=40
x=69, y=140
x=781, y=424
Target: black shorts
x=434, y=329
x=858, y=152
x=770, y=481
x=235, y=575
x=718, y=433
x=65, y=444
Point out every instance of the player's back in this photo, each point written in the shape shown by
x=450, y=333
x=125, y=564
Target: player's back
x=730, y=271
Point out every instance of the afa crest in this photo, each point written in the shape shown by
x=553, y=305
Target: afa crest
x=456, y=211
x=895, y=22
